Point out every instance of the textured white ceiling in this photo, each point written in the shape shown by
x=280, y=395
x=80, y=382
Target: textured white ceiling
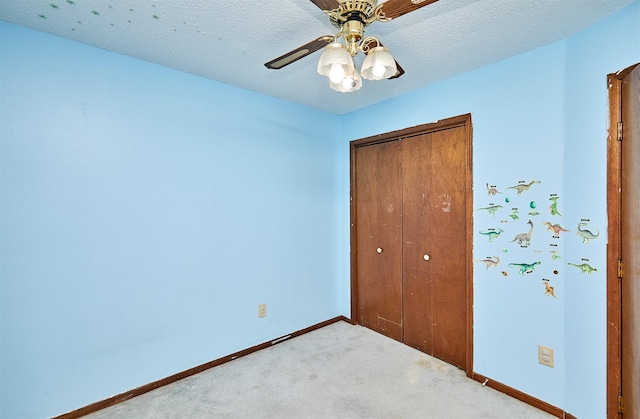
x=230, y=40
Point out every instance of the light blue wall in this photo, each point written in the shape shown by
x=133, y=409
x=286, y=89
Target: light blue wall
x=145, y=213
x=541, y=115
x=610, y=45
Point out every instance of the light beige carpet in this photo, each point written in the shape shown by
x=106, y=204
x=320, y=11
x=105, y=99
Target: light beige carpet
x=339, y=371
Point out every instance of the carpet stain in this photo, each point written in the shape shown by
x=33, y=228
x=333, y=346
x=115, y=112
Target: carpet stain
x=425, y=363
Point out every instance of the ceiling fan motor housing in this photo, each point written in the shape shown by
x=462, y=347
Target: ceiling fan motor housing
x=366, y=7
x=351, y=17
x=362, y=10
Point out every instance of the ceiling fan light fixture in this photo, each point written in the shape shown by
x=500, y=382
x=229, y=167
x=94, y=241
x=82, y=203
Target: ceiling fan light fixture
x=379, y=64
x=335, y=62
x=351, y=17
x=350, y=83
x=337, y=73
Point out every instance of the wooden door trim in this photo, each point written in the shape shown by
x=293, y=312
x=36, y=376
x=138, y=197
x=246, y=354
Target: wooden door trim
x=614, y=249
x=453, y=122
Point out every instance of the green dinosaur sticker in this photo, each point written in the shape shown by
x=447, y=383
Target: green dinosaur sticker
x=491, y=209
x=584, y=267
x=492, y=234
x=554, y=206
x=525, y=268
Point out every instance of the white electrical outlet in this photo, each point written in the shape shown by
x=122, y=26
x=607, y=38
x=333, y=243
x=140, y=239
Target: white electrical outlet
x=545, y=356
x=262, y=310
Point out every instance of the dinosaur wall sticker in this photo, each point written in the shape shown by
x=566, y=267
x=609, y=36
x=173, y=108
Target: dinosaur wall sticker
x=489, y=262
x=491, y=190
x=524, y=239
x=554, y=205
x=556, y=228
x=521, y=187
x=585, y=233
x=492, y=234
x=522, y=198
x=525, y=268
x=491, y=209
x=548, y=289
x=584, y=267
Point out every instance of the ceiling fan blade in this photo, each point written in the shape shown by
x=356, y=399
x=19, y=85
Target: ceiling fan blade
x=396, y=8
x=399, y=73
x=299, y=52
x=326, y=4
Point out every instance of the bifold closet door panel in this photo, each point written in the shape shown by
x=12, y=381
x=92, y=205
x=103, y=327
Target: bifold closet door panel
x=435, y=263
x=379, y=237
x=449, y=227
x=417, y=250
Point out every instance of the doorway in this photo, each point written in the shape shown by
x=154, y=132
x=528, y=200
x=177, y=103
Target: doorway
x=411, y=238
x=623, y=249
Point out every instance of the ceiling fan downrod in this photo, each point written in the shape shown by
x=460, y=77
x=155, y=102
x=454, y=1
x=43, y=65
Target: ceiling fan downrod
x=352, y=32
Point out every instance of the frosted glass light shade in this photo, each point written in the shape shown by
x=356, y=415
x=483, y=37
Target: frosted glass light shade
x=350, y=83
x=335, y=62
x=379, y=64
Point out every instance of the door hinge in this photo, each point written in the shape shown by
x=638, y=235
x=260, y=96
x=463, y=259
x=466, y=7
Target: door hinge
x=619, y=131
x=620, y=404
x=620, y=268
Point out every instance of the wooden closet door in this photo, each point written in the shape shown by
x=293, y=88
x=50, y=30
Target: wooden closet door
x=434, y=244
x=378, y=180
x=411, y=237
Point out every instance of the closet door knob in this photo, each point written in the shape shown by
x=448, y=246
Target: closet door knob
x=379, y=250
x=427, y=257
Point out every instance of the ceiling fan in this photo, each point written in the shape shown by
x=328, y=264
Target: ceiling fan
x=351, y=17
